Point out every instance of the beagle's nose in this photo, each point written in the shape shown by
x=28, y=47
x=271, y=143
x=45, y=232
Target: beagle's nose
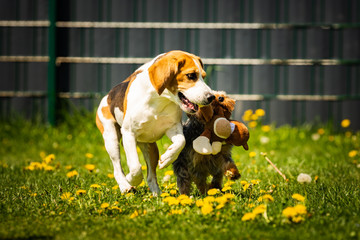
x=210, y=98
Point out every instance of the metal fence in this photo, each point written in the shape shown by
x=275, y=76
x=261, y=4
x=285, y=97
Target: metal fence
x=298, y=60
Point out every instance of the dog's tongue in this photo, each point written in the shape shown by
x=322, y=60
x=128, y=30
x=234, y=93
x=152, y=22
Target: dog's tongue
x=190, y=105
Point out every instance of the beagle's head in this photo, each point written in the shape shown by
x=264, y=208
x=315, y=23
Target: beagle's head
x=182, y=74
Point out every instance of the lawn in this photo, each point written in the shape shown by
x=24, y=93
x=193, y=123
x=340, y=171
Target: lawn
x=57, y=183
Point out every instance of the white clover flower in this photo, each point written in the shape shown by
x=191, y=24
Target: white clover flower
x=166, y=178
x=304, y=178
x=264, y=140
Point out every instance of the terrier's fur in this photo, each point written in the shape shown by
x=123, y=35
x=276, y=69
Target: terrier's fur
x=191, y=166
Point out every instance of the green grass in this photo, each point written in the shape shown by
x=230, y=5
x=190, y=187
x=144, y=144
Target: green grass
x=31, y=205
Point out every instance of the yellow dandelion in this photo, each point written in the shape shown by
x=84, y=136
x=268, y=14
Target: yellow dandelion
x=229, y=195
x=353, y=153
x=42, y=155
x=229, y=183
x=254, y=117
x=49, y=158
x=221, y=200
x=268, y=197
x=252, y=154
x=226, y=188
x=80, y=192
x=298, y=197
x=245, y=187
x=182, y=197
x=247, y=115
x=89, y=155
x=248, y=216
x=212, y=191
x=95, y=186
x=206, y=209
x=252, y=124
x=72, y=174
x=260, y=112
x=170, y=173
x=297, y=219
x=265, y=128
x=186, y=201
x=255, y=181
x=345, y=123
x=243, y=182
x=33, y=194
x=48, y=168
x=209, y=199
x=68, y=167
x=116, y=187
x=176, y=211
x=90, y=167
x=104, y=205
x=259, y=209
x=173, y=192
x=66, y=196
x=300, y=209
x=142, y=183
x=110, y=175
x=289, y=212
x=321, y=131
x=220, y=206
x=134, y=214
x=199, y=203
x=164, y=194
x=143, y=168
x=172, y=201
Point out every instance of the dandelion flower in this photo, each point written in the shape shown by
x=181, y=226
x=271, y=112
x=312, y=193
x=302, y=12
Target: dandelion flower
x=206, y=209
x=143, y=168
x=229, y=195
x=252, y=154
x=199, y=203
x=172, y=201
x=259, y=209
x=298, y=197
x=170, y=173
x=226, y=188
x=165, y=194
x=68, y=167
x=66, y=196
x=212, y=191
x=80, y=192
x=345, y=123
x=255, y=181
x=115, y=187
x=252, y=124
x=289, y=212
x=134, y=214
x=260, y=112
x=353, y=153
x=265, y=128
x=321, y=131
x=49, y=158
x=209, y=199
x=300, y=209
x=104, y=205
x=173, y=192
x=268, y=197
x=90, y=167
x=110, y=175
x=72, y=174
x=248, y=216
x=304, y=178
x=186, y=201
x=247, y=115
x=297, y=219
x=95, y=186
x=89, y=155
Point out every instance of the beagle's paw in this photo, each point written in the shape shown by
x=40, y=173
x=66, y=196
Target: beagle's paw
x=202, y=145
x=166, y=160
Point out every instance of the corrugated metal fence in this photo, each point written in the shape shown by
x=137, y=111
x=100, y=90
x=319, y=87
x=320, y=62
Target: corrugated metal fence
x=299, y=60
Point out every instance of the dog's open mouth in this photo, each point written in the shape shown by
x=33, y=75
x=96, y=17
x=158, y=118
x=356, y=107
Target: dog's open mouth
x=187, y=105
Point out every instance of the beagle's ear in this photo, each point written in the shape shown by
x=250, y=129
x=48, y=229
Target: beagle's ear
x=163, y=71
x=206, y=113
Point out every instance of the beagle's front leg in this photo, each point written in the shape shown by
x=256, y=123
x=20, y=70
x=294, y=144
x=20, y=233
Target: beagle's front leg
x=176, y=135
x=134, y=177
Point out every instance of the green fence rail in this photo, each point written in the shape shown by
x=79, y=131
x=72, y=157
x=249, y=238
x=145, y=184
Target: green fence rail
x=87, y=50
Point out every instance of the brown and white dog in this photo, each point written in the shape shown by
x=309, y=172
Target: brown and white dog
x=147, y=105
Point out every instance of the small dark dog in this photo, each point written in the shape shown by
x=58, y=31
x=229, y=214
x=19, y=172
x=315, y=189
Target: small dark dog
x=191, y=166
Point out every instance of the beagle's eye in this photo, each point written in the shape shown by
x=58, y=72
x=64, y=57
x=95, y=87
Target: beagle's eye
x=192, y=76
x=221, y=99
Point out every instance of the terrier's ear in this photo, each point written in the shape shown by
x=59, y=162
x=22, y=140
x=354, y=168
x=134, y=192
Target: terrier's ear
x=206, y=113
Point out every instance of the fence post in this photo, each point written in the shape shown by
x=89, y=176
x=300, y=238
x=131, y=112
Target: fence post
x=51, y=89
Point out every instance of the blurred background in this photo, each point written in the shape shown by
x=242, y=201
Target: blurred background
x=297, y=60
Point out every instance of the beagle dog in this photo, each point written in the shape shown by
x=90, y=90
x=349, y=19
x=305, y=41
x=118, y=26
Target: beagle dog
x=147, y=105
